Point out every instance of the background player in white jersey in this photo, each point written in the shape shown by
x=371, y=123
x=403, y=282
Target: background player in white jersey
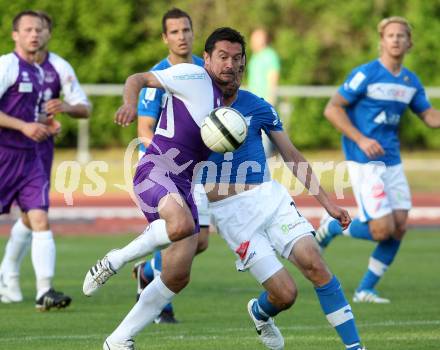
x=367, y=109
x=163, y=177
x=258, y=219
x=177, y=34
x=59, y=77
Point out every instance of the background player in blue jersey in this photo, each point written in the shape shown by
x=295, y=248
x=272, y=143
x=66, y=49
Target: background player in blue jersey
x=367, y=109
x=59, y=77
x=177, y=34
x=257, y=218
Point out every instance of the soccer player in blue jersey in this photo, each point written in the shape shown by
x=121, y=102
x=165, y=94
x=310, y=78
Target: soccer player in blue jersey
x=59, y=78
x=257, y=218
x=367, y=109
x=177, y=34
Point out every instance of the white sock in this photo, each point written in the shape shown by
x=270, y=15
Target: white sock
x=43, y=260
x=154, y=237
x=16, y=249
x=151, y=302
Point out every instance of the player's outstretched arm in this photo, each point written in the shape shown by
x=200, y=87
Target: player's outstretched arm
x=337, y=116
x=431, y=117
x=127, y=113
x=301, y=168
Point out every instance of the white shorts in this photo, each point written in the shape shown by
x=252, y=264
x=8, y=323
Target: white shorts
x=379, y=189
x=259, y=222
x=201, y=201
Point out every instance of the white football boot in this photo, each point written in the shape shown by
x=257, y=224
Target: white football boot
x=369, y=296
x=125, y=345
x=269, y=334
x=97, y=276
x=10, y=291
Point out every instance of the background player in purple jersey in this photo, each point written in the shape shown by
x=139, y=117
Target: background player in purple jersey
x=59, y=77
x=176, y=149
x=21, y=172
x=177, y=34
x=367, y=109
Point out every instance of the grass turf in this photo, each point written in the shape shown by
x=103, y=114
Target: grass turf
x=212, y=309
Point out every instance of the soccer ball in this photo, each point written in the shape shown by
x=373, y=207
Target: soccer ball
x=224, y=130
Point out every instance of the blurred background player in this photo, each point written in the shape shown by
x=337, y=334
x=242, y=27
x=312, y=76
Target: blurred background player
x=21, y=172
x=59, y=77
x=178, y=35
x=257, y=217
x=263, y=73
x=367, y=109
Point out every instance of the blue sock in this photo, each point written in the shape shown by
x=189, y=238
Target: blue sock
x=168, y=308
x=263, y=308
x=380, y=260
x=360, y=230
x=148, y=271
x=338, y=312
x=335, y=228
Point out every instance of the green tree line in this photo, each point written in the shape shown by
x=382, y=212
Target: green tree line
x=319, y=42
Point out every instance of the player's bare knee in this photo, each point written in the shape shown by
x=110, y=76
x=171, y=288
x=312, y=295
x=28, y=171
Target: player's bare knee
x=179, y=230
x=400, y=231
x=382, y=231
x=284, y=298
x=25, y=220
x=202, y=245
x=39, y=223
x=316, y=271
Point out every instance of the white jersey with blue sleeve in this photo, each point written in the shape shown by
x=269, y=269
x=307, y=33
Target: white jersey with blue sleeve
x=246, y=165
x=377, y=100
x=152, y=100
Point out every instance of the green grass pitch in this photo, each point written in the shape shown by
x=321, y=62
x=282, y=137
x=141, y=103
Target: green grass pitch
x=212, y=309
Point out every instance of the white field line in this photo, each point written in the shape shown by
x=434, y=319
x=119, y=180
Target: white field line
x=133, y=213
x=224, y=333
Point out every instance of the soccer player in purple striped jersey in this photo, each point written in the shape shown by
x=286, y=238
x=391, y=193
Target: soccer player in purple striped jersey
x=22, y=177
x=177, y=34
x=59, y=77
x=367, y=109
x=163, y=178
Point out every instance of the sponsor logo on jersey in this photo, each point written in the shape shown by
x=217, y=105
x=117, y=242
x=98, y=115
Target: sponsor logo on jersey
x=354, y=83
x=49, y=77
x=25, y=76
x=286, y=228
x=150, y=94
x=383, y=118
x=25, y=87
x=391, y=92
x=194, y=76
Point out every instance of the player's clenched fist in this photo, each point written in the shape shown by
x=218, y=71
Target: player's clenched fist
x=339, y=214
x=125, y=115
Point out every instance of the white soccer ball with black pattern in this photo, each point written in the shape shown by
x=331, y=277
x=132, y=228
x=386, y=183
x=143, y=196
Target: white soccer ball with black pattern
x=224, y=130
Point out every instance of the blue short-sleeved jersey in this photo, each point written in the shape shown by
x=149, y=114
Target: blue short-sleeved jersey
x=378, y=100
x=246, y=165
x=150, y=101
